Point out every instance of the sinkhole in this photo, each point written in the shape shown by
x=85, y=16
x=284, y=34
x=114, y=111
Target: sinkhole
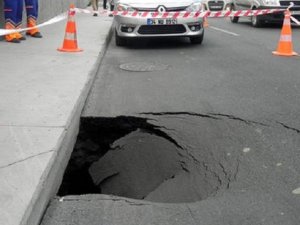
x=137, y=158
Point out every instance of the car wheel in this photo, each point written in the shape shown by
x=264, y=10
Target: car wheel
x=197, y=39
x=120, y=41
x=256, y=21
x=233, y=19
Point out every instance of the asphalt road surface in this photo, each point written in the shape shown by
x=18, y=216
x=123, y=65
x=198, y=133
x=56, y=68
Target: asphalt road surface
x=190, y=134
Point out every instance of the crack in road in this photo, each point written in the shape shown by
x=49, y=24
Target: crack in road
x=180, y=113
x=25, y=159
x=237, y=169
x=215, y=116
x=113, y=199
x=232, y=117
x=191, y=213
x=288, y=127
x=226, y=174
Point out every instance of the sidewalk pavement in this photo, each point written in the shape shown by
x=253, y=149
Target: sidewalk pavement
x=42, y=94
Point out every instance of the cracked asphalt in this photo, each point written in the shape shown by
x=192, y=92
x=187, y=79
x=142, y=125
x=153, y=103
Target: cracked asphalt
x=211, y=139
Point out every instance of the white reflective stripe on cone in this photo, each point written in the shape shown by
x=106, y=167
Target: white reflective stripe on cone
x=71, y=19
x=286, y=22
x=70, y=36
x=286, y=38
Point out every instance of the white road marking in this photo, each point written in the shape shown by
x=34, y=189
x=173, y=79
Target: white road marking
x=296, y=191
x=224, y=31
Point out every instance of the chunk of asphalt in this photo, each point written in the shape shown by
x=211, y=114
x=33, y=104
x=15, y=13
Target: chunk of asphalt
x=142, y=161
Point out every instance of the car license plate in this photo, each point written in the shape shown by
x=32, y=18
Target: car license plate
x=161, y=21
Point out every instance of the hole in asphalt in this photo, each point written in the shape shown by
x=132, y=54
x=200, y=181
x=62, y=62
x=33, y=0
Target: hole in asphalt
x=132, y=157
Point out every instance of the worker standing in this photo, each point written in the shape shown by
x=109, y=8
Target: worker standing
x=13, y=19
x=32, y=9
x=13, y=11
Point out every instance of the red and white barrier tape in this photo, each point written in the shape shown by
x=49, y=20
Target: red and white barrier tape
x=205, y=14
x=212, y=14
x=295, y=20
x=86, y=11
x=51, y=21
x=56, y=19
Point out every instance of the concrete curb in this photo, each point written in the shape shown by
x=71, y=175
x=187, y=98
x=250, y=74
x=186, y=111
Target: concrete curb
x=52, y=176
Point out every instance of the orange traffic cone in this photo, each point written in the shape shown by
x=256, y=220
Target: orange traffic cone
x=285, y=46
x=70, y=40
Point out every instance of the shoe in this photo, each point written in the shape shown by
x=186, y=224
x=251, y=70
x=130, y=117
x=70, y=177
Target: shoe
x=35, y=35
x=95, y=14
x=19, y=36
x=22, y=38
x=12, y=37
x=110, y=15
x=14, y=40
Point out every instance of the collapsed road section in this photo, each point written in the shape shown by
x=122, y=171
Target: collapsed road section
x=149, y=158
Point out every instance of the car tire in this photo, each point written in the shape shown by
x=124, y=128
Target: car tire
x=256, y=21
x=197, y=39
x=120, y=41
x=233, y=19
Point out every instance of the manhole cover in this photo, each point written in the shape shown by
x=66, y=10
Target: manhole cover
x=143, y=66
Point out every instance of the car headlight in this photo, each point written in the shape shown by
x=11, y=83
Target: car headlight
x=271, y=2
x=124, y=7
x=195, y=7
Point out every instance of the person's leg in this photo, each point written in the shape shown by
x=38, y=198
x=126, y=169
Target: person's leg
x=20, y=8
x=112, y=6
x=11, y=18
x=104, y=4
x=95, y=7
x=32, y=9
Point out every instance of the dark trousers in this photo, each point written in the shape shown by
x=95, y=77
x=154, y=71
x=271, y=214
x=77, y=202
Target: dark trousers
x=104, y=4
x=32, y=8
x=13, y=12
x=111, y=5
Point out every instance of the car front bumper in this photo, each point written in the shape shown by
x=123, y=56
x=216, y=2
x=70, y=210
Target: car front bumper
x=130, y=26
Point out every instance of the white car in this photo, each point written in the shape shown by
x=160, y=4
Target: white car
x=136, y=25
x=216, y=5
x=258, y=21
